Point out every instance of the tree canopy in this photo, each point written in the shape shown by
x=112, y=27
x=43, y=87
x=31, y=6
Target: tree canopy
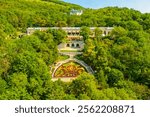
x=120, y=60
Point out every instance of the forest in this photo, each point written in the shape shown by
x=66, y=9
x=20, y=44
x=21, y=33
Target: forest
x=121, y=60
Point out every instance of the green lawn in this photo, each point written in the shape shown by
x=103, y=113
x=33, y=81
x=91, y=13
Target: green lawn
x=62, y=57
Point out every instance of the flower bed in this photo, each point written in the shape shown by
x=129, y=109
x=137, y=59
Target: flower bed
x=70, y=69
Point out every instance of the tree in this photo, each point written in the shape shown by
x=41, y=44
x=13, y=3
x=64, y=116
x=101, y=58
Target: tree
x=118, y=32
x=55, y=90
x=102, y=79
x=89, y=54
x=3, y=85
x=140, y=91
x=133, y=25
x=18, y=80
x=84, y=85
x=98, y=33
x=114, y=76
x=58, y=35
x=61, y=24
x=85, y=32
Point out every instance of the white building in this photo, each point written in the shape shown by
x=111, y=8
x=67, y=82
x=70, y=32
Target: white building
x=76, y=12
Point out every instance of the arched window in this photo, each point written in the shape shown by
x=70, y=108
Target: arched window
x=72, y=45
x=104, y=32
x=78, y=46
x=69, y=33
x=68, y=45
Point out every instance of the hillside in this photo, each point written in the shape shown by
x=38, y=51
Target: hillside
x=20, y=14
x=120, y=60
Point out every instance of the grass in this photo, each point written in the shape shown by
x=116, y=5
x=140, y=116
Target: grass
x=62, y=58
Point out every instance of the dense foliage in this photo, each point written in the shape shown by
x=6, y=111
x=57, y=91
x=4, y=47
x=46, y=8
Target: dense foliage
x=121, y=61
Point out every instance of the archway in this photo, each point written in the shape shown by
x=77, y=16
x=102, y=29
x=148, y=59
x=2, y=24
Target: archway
x=77, y=45
x=68, y=45
x=72, y=45
x=105, y=33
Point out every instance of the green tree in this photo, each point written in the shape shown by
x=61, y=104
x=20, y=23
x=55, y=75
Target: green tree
x=3, y=85
x=55, y=90
x=85, y=32
x=114, y=76
x=118, y=32
x=98, y=33
x=84, y=85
